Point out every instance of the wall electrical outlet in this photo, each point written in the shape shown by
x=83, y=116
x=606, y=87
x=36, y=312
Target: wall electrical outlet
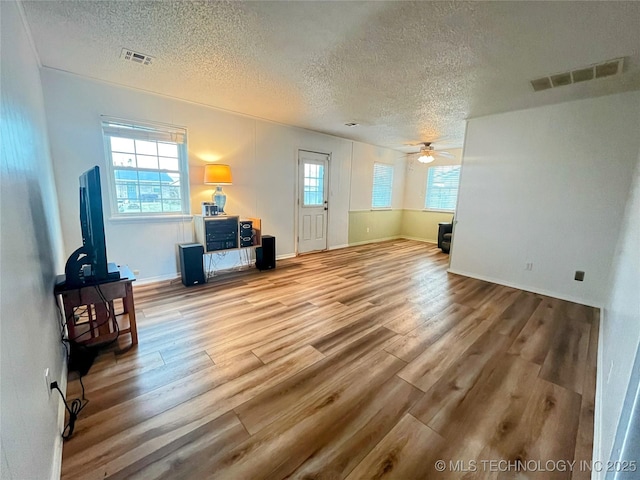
x=47, y=381
x=136, y=272
x=367, y=229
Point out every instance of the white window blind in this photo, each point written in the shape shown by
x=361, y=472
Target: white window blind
x=147, y=168
x=442, y=187
x=382, y=185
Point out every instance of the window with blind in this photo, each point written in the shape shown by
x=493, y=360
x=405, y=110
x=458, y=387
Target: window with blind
x=382, y=185
x=147, y=169
x=442, y=187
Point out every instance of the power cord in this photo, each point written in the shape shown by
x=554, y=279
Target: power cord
x=74, y=410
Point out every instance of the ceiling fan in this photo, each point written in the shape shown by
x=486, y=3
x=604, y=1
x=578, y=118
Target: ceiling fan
x=428, y=154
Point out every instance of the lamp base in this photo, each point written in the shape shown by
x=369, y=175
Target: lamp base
x=220, y=199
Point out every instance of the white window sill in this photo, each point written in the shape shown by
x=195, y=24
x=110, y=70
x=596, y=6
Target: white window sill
x=437, y=211
x=150, y=218
x=377, y=209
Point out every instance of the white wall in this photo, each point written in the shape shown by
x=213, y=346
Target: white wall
x=620, y=328
x=547, y=185
x=30, y=256
x=262, y=155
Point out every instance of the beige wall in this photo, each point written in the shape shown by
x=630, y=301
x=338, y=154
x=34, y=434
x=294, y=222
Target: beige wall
x=371, y=225
x=407, y=218
x=422, y=224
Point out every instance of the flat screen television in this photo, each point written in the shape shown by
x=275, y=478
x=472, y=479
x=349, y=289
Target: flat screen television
x=88, y=264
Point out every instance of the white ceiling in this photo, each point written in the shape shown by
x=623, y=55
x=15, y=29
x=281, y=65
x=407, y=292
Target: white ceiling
x=406, y=71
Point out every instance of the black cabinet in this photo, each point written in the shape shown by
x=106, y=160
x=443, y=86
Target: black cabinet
x=221, y=234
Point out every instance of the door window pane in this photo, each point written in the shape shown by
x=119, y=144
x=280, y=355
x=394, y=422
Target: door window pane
x=313, y=185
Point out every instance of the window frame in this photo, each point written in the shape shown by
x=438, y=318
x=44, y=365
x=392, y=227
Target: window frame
x=373, y=186
x=426, y=191
x=156, y=130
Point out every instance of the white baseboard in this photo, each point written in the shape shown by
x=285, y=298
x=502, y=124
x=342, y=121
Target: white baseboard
x=395, y=237
x=526, y=288
x=336, y=247
x=174, y=276
x=159, y=278
x=56, y=467
x=419, y=239
x=374, y=240
x=598, y=454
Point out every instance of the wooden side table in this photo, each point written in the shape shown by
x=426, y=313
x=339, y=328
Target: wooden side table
x=89, y=310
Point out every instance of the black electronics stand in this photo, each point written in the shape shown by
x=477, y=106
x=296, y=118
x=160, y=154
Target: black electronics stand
x=79, y=272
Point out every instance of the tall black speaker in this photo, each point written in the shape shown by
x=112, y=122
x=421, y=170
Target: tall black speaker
x=191, y=263
x=266, y=254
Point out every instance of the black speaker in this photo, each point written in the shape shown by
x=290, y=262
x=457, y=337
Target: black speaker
x=266, y=254
x=191, y=263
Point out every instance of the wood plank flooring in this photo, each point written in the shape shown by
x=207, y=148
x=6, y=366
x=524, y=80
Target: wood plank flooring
x=365, y=362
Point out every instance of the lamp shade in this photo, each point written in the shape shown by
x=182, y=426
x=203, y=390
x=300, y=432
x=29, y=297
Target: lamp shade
x=426, y=158
x=216, y=174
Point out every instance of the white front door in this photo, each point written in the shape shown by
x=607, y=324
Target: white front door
x=313, y=182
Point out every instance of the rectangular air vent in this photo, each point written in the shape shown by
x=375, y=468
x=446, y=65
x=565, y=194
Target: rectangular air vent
x=604, y=69
x=136, y=57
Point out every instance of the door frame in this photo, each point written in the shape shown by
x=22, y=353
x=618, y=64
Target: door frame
x=296, y=196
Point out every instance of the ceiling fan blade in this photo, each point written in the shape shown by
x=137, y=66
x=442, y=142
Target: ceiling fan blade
x=448, y=155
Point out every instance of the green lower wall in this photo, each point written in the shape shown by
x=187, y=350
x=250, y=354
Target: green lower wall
x=381, y=224
x=423, y=225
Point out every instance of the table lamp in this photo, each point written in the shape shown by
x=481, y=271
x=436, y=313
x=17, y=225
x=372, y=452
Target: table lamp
x=218, y=175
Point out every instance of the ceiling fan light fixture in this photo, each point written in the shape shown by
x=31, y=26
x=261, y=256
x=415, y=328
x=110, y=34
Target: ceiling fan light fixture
x=426, y=155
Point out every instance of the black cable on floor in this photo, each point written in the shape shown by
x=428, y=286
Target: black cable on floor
x=74, y=409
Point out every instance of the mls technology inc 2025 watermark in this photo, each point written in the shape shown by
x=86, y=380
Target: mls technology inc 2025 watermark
x=533, y=466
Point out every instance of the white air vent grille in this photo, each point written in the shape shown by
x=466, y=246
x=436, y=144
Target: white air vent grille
x=600, y=70
x=135, y=57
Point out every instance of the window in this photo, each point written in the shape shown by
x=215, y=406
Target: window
x=442, y=187
x=147, y=169
x=382, y=185
x=313, y=184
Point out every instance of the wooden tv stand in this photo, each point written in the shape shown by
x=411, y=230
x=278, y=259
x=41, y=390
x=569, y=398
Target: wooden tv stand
x=89, y=310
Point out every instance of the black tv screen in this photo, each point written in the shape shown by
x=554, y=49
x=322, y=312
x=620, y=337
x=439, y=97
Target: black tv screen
x=88, y=264
x=92, y=224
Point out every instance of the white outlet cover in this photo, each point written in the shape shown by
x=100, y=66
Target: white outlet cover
x=47, y=380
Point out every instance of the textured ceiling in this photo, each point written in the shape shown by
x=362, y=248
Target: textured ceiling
x=406, y=71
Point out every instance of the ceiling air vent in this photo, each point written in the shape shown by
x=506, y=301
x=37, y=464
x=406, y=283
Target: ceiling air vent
x=600, y=70
x=561, y=79
x=135, y=57
x=541, y=83
x=607, y=69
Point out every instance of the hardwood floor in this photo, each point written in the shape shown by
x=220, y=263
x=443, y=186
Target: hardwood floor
x=365, y=362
